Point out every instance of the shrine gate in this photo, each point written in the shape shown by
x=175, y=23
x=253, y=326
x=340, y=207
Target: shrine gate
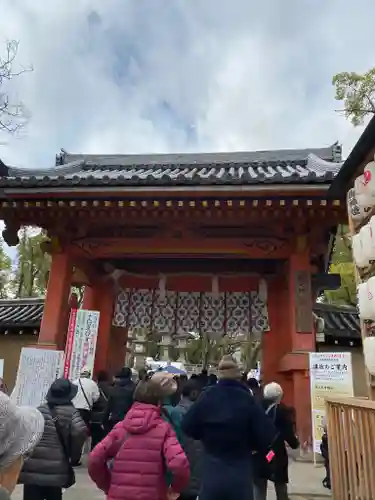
x=211, y=243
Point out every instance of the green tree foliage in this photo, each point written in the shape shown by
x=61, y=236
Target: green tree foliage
x=5, y=272
x=152, y=346
x=32, y=267
x=205, y=351
x=342, y=263
x=250, y=352
x=357, y=92
x=198, y=350
x=194, y=351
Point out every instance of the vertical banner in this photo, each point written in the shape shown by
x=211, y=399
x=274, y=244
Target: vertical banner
x=331, y=374
x=70, y=341
x=37, y=369
x=81, y=342
x=1, y=368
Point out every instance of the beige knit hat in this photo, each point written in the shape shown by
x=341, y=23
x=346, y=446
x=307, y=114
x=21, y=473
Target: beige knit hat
x=228, y=369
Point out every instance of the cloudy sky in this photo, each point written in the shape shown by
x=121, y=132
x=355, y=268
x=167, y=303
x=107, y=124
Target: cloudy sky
x=182, y=75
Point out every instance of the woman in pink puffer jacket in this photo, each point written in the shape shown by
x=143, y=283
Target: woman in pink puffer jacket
x=131, y=462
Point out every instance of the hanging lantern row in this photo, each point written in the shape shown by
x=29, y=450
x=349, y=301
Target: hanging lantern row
x=361, y=210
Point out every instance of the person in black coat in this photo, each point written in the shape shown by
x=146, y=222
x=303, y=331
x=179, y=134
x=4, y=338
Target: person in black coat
x=49, y=469
x=120, y=399
x=193, y=449
x=230, y=425
x=99, y=409
x=275, y=469
x=255, y=388
x=325, y=455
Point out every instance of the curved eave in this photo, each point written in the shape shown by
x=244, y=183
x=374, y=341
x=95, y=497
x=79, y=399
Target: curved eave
x=361, y=153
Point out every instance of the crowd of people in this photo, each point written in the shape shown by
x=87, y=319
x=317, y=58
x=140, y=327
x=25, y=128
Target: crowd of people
x=163, y=437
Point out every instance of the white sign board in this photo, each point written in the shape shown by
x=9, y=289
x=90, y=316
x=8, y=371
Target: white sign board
x=37, y=369
x=81, y=342
x=331, y=374
x=1, y=368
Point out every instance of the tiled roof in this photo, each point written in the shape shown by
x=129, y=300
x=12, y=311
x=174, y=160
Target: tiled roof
x=339, y=321
x=298, y=166
x=18, y=313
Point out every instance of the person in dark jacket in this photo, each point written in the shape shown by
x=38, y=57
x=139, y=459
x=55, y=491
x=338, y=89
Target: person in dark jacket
x=255, y=388
x=142, y=374
x=49, y=469
x=325, y=455
x=275, y=470
x=231, y=426
x=99, y=409
x=120, y=399
x=212, y=379
x=192, y=448
x=203, y=378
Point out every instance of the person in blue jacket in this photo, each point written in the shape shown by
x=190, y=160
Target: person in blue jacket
x=231, y=426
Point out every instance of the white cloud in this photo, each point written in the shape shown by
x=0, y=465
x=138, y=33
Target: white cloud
x=179, y=75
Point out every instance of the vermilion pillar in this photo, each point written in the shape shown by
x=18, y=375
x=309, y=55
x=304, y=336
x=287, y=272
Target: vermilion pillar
x=301, y=339
x=276, y=343
x=103, y=300
x=88, y=298
x=56, y=307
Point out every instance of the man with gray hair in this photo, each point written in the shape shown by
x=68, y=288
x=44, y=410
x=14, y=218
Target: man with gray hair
x=275, y=467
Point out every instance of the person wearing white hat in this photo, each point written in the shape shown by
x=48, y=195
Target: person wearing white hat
x=21, y=428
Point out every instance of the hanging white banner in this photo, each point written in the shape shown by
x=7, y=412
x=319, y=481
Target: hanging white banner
x=37, y=369
x=331, y=374
x=81, y=342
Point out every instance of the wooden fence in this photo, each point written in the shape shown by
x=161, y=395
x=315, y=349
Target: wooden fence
x=351, y=441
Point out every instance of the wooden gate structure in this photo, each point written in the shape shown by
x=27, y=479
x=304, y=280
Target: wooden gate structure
x=244, y=238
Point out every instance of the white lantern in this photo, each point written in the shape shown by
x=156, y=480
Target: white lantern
x=359, y=253
x=366, y=299
x=369, y=354
x=364, y=186
x=367, y=235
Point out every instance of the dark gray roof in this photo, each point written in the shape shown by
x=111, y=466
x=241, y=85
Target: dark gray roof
x=18, y=313
x=339, y=321
x=298, y=166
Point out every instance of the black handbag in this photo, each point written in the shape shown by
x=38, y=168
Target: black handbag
x=71, y=475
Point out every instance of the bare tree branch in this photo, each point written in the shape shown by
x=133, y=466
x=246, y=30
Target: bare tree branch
x=13, y=115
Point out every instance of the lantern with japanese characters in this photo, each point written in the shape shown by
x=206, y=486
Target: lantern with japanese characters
x=369, y=354
x=364, y=186
x=356, y=211
x=366, y=299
